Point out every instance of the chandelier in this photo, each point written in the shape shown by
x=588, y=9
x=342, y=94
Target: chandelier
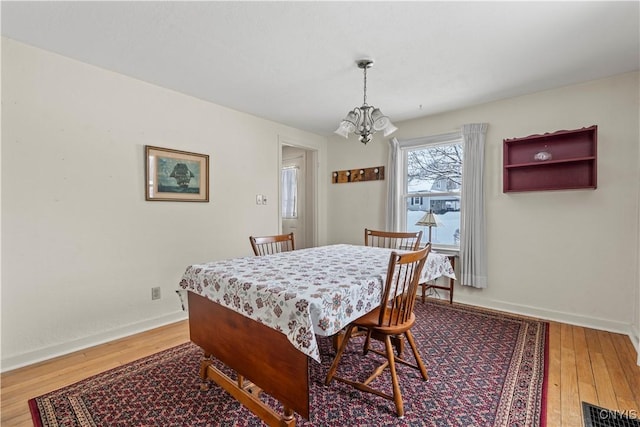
x=366, y=120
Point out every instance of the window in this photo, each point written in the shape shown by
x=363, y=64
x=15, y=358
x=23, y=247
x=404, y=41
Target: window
x=432, y=176
x=290, y=192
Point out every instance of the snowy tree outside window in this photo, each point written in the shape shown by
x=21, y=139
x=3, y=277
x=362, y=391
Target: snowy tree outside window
x=433, y=178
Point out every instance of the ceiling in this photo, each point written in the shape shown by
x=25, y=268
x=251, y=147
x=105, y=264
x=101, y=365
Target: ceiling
x=294, y=62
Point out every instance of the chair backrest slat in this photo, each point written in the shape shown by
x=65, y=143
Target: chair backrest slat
x=269, y=245
x=408, y=241
x=399, y=295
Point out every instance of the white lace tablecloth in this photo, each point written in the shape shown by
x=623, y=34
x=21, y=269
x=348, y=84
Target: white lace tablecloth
x=304, y=292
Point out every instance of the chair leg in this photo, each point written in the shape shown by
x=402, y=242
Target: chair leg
x=367, y=342
x=397, y=396
x=412, y=343
x=336, y=360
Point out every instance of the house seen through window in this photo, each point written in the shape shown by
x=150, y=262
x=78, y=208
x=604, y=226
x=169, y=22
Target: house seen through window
x=433, y=181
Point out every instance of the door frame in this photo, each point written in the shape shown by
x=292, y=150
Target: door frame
x=311, y=176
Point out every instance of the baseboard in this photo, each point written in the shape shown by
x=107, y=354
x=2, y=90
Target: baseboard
x=47, y=353
x=556, y=316
x=29, y=358
x=635, y=339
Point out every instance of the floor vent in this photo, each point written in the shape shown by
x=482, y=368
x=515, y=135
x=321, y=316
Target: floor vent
x=595, y=416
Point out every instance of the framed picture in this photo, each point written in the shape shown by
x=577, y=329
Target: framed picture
x=177, y=176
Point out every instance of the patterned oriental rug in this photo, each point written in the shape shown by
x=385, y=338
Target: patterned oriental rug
x=485, y=369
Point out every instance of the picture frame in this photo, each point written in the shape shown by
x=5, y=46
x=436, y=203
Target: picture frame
x=176, y=176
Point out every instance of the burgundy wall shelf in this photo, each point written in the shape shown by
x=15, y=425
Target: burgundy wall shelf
x=562, y=160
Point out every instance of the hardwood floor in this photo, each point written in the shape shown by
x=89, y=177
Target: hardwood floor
x=584, y=365
x=591, y=366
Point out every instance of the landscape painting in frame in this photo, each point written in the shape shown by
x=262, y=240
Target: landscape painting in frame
x=174, y=175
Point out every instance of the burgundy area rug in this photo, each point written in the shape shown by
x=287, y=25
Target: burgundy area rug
x=485, y=369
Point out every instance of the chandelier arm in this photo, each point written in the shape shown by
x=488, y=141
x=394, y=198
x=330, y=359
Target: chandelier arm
x=366, y=120
x=360, y=114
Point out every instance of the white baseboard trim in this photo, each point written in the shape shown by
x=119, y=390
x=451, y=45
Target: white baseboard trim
x=47, y=353
x=29, y=358
x=635, y=339
x=556, y=316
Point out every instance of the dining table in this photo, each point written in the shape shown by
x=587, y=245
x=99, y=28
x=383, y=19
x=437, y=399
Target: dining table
x=260, y=316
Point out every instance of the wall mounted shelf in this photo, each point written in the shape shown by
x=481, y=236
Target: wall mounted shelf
x=562, y=160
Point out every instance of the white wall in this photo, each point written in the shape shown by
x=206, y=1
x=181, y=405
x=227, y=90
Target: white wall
x=566, y=255
x=352, y=207
x=81, y=248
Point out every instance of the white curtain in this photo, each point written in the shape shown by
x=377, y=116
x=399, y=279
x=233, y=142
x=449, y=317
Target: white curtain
x=289, y=192
x=473, y=253
x=393, y=181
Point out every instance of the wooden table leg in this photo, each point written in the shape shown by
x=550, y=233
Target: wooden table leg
x=204, y=379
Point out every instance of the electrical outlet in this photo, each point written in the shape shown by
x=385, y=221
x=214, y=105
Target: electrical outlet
x=264, y=200
x=155, y=293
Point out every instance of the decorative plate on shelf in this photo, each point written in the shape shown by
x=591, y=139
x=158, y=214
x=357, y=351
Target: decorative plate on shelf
x=542, y=156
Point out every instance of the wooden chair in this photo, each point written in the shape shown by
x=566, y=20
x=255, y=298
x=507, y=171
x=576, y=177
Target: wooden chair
x=268, y=245
x=393, y=317
x=392, y=239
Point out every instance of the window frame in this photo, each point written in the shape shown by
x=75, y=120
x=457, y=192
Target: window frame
x=404, y=197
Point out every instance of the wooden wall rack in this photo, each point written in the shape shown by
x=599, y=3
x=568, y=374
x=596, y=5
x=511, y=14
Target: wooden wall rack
x=358, y=175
